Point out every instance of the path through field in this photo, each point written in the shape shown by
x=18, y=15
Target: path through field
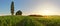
x=29, y=22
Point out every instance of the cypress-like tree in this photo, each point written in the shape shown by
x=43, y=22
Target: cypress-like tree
x=12, y=8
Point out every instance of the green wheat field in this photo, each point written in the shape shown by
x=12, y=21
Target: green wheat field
x=29, y=21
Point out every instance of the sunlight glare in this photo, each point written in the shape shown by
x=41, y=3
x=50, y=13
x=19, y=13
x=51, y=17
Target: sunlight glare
x=46, y=12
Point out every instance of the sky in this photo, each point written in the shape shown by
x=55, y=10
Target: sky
x=40, y=7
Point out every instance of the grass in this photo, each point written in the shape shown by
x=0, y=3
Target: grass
x=29, y=21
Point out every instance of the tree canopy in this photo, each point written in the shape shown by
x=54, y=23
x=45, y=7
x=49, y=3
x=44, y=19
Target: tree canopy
x=19, y=12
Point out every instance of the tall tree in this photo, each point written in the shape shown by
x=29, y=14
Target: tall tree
x=12, y=8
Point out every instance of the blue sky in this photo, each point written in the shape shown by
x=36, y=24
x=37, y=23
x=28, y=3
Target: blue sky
x=43, y=7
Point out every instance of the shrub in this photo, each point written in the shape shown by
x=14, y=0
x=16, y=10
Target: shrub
x=19, y=12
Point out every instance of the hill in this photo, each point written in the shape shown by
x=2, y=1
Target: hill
x=29, y=21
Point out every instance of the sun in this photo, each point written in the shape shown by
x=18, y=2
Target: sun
x=46, y=12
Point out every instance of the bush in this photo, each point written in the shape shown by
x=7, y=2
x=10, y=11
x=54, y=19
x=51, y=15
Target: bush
x=19, y=12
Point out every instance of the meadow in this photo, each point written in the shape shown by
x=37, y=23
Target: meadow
x=29, y=21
